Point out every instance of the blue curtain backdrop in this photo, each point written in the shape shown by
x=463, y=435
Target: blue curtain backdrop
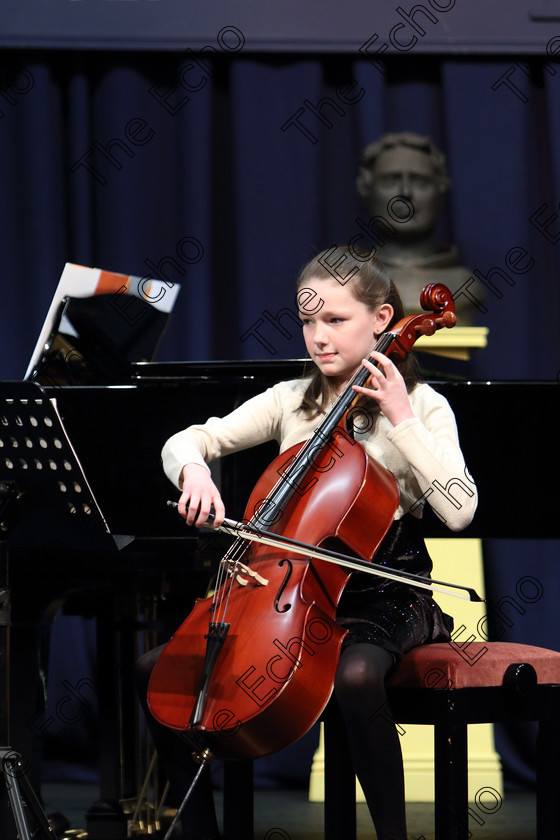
x=124, y=161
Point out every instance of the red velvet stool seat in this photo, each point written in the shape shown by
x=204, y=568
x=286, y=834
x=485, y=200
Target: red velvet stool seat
x=449, y=686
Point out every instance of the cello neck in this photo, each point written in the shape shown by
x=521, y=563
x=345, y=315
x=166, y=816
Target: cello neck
x=331, y=425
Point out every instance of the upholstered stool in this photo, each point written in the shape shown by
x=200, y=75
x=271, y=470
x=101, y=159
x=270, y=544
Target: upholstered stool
x=449, y=686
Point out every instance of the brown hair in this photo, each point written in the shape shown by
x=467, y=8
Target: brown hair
x=369, y=281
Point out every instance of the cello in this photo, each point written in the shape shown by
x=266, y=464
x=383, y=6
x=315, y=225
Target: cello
x=252, y=668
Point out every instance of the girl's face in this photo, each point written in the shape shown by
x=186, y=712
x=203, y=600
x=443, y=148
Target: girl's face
x=339, y=330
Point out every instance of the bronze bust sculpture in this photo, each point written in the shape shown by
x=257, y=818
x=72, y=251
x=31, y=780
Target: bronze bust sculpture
x=402, y=181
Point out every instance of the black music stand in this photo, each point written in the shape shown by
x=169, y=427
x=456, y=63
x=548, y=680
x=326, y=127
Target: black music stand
x=20, y=795
x=44, y=494
x=45, y=502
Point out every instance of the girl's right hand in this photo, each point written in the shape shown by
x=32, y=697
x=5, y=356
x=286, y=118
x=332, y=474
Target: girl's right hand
x=198, y=496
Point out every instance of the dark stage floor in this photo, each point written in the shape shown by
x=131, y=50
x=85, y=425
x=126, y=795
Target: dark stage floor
x=287, y=815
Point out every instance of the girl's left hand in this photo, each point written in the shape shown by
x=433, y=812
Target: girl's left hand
x=388, y=389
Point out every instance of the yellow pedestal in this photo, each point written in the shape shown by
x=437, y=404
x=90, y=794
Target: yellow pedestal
x=456, y=343
x=460, y=561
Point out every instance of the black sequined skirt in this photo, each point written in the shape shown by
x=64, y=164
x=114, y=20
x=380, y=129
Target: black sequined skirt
x=394, y=615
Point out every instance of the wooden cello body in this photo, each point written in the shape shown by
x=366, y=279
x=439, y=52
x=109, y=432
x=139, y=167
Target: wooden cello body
x=275, y=671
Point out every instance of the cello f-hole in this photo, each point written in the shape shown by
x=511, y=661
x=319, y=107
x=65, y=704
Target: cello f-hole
x=282, y=587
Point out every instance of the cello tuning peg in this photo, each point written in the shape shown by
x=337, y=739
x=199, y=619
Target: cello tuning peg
x=426, y=327
x=448, y=319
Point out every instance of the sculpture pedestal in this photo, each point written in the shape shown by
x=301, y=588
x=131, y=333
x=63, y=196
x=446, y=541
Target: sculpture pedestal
x=456, y=343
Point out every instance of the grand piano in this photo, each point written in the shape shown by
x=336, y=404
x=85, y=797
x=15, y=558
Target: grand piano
x=117, y=431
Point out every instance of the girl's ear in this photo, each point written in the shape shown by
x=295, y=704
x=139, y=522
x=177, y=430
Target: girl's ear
x=383, y=318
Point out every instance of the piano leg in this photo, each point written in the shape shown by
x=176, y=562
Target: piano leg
x=19, y=716
x=117, y=736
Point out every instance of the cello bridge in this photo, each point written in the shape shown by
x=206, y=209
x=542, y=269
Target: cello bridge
x=233, y=569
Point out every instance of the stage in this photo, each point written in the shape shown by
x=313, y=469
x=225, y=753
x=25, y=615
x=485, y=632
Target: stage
x=288, y=815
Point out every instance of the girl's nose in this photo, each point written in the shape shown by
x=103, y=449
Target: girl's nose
x=320, y=336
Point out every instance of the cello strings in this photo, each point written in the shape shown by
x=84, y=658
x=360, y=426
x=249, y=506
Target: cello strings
x=323, y=431
x=239, y=548
x=226, y=578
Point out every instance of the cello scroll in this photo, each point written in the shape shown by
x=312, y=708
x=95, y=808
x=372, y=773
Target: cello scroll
x=435, y=298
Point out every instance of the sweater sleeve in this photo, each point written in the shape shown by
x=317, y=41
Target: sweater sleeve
x=255, y=421
x=430, y=444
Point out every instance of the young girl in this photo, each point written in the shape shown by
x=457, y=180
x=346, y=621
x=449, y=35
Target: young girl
x=410, y=430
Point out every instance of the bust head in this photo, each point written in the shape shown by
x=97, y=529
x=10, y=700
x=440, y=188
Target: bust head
x=404, y=177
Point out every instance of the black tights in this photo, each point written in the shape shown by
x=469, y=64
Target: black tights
x=374, y=741
x=373, y=738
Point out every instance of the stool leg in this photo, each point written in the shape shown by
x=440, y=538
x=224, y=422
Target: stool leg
x=340, y=780
x=451, y=779
x=548, y=781
x=238, y=800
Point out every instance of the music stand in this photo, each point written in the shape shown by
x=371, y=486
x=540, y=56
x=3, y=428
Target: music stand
x=45, y=501
x=13, y=775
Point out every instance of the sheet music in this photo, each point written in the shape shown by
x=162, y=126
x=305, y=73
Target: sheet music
x=78, y=281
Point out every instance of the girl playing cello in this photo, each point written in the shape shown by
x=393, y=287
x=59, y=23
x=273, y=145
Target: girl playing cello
x=410, y=429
